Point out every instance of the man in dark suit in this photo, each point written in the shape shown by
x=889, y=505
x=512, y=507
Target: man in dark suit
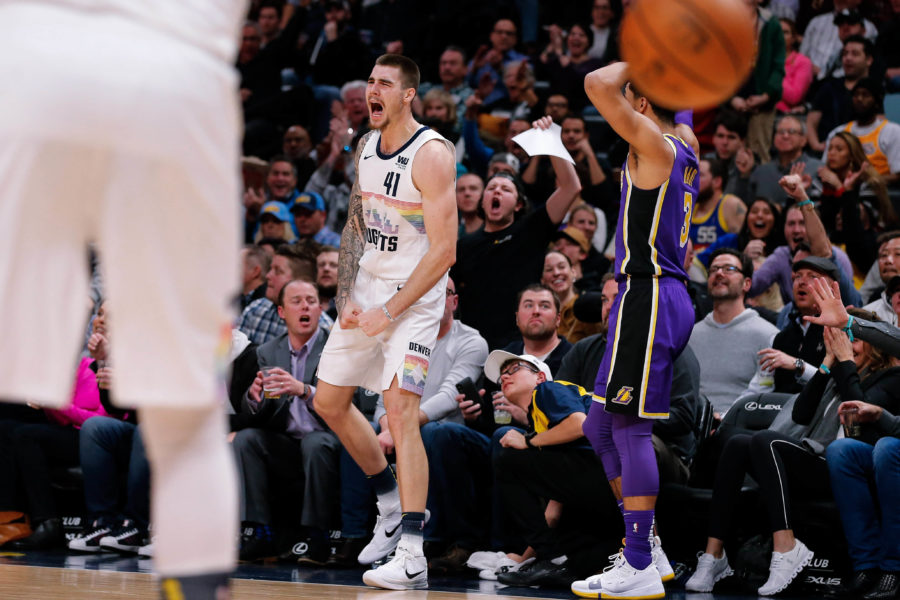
x=288, y=444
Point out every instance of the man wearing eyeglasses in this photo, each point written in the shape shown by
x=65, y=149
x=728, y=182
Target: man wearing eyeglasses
x=727, y=341
x=490, y=60
x=790, y=139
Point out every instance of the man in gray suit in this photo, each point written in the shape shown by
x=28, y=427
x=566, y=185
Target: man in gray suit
x=290, y=446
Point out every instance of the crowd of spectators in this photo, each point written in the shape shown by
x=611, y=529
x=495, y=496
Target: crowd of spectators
x=799, y=176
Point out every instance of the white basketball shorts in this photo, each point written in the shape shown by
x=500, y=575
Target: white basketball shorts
x=403, y=350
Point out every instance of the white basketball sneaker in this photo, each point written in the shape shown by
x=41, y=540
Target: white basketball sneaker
x=709, y=570
x=405, y=571
x=386, y=535
x=666, y=573
x=621, y=580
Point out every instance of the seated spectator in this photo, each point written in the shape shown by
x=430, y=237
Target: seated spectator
x=849, y=22
x=565, y=62
x=526, y=477
x=439, y=112
x=802, y=226
x=327, y=278
x=112, y=456
x=336, y=54
x=255, y=266
x=880, y=138
x=604, y=26
x=821, y=39
x=281, y=186
x=790, y=139
x=888, y=268
x=831, y=105
x=557, y=107
x=520, y=101
x=486, y=284
x=559, y=275
x=355, y=108
x=538, y=318
x=729, y=139
x=728, y=340
x=592, y=222
x=31, y=440
x=260, y=320
x=452, y=75
x=275, y=222
x=489, y=61
x=858, y=205
x=479, y=154
x=798, y=73
x=789, y=457
x=469, y=188
x=292, y=449
x=715, y=213
x=503, y=162
x=297, y=146
x=309, y=218
x=863, y=471
x=886, y=47
x=798, y=346
x=335, y=175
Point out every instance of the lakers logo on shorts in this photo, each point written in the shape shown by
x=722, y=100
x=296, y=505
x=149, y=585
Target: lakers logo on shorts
x=623, y=396
x=415, y=369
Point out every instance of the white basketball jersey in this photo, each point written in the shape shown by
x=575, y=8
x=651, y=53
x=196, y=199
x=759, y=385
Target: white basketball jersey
x=392, y=207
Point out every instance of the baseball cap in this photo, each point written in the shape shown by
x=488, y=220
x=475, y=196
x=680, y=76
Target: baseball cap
x=574, y=234
x=498, y=358
x=507, y=158
x=310, y=201
x=848, y=15
x=276, y=209
x=819, y=265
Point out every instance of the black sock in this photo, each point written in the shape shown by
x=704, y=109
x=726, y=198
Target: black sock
x=413, y=523
x=384, y=482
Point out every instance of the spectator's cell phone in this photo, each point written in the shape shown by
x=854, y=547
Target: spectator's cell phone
x=466, y=387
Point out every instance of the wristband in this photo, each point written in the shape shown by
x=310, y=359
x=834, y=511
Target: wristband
x=846, y=329
x=824, y=369
x=804, y=203
x=387, y=313
x=528, y=437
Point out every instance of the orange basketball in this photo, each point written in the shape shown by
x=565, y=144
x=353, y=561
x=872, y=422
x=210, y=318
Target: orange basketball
x=688, y=53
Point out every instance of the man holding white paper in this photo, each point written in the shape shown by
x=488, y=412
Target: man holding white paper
x=508, y=253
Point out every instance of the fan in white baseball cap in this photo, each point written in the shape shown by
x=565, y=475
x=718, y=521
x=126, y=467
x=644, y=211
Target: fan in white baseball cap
x=499, y=359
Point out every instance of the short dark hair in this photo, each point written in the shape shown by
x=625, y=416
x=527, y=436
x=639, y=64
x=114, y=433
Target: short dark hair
x=326, y=248
x=800, y=247
x=732, y=121
x=538, y=287
x=301, y=260
x=276, y=243
x=278, y=6
x=280, y=300
x=455, y=48
x=868, y=46
x=282, y=158
x=886, y=237
x=746, y=263
x=409, y=70
x=665, y=115
x=718, y=168
x=259, y=256
x=577, y=117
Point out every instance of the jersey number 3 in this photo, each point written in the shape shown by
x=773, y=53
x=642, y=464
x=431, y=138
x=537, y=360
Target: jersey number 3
x=686, y=227
x=392, y=179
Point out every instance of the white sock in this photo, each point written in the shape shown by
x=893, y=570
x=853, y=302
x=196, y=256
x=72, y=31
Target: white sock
x=412, y=543
x=389, y=502
x=194, y=490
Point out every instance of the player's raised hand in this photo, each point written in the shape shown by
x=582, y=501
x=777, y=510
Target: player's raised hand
x=373, y=321
x=349, y=317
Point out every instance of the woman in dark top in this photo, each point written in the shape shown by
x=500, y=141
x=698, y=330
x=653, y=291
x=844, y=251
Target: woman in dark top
x=791, y=456
x=565, y=69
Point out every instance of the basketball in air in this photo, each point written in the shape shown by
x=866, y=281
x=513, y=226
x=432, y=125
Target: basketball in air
x=688, y=53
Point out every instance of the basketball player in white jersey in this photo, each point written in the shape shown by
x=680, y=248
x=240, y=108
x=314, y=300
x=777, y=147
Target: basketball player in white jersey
x=121, y=127
x=396, y=249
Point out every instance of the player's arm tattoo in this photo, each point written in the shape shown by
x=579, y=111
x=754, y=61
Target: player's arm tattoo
x=353, y=238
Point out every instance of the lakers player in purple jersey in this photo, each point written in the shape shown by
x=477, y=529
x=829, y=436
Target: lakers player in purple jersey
x=650, y=324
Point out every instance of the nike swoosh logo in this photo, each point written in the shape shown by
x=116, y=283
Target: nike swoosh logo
x=414, y=575
x=369, y=156
x=391, y=533
x=399, y=286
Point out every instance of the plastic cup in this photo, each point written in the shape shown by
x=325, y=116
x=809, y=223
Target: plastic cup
x=269, y=386
x=851, y=422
